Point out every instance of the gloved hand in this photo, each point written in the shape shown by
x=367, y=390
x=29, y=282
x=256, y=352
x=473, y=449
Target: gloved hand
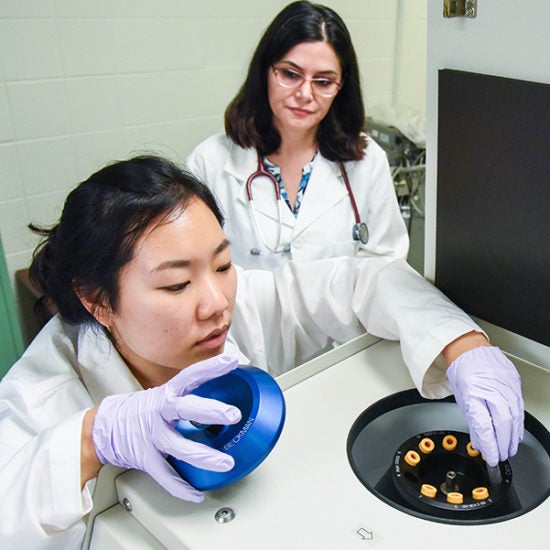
x=135, y=430
x=487, y=388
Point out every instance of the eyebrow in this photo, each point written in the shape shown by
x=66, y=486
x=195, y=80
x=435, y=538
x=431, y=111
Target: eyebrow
x=172, y=264
x=297, y=67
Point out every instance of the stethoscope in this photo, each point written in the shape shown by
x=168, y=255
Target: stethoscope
x=359, y=231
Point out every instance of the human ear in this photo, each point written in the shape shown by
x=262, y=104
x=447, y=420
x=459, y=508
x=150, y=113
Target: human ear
x=96, y=305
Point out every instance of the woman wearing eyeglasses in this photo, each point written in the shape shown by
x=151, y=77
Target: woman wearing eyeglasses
x=294, y=173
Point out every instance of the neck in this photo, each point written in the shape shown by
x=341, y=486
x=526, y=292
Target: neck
x=149, y=375
x=152, y=378
x=296, y=146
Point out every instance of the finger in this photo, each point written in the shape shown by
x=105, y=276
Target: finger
x=205, y=410
x=161, y=471
x=502, y=425
x=519, y=418
x=517, y=431
x=482, y=431
x=514, y=440
x=193, y=376
x=172, y=443
x=511, y=411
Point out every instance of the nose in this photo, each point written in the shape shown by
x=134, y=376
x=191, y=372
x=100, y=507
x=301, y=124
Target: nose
x=212, y=299
x=305, y=89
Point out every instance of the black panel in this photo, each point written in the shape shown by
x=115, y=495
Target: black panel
x=493, y=200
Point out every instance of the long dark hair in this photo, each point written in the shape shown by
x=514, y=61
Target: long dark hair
x=101, y=221
x=248, y=118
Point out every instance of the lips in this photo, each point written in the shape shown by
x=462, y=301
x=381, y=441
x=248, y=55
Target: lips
x=215, y=338
x=300, y=112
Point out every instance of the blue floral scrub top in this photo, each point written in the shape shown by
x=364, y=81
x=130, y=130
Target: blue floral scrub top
x=306, y=173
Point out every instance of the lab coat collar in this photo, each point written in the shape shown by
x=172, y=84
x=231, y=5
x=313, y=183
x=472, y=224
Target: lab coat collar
x=240, y=162
x=102, y=369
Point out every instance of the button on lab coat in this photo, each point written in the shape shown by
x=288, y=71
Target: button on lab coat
x=323, y=227
x=280, y=319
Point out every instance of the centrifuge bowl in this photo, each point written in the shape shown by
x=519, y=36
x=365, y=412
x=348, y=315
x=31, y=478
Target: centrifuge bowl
x=379, y=432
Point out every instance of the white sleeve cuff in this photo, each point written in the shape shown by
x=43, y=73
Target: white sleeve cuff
x=62, y=500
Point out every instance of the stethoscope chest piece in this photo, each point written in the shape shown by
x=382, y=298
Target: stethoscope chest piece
x=361, y=232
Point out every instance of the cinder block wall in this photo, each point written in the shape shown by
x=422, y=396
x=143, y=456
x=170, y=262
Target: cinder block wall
x=83, y=83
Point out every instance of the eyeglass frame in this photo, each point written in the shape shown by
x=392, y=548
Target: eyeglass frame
x=306, y=79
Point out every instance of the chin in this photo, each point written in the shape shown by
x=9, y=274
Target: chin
x=208, y=353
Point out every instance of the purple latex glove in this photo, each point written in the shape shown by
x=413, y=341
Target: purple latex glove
x=135, y=430
x=487, y=388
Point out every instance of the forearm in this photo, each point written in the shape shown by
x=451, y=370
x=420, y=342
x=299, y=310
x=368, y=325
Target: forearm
x=432, y=330
x=89, y=462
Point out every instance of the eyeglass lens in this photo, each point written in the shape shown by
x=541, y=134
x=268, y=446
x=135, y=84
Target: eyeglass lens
x=291, y=79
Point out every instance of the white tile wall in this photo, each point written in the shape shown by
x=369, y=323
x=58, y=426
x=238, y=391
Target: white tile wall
x=30, y=49
x=88, y=47
x=10, y=174
x=93, y=103
x=29, y=8
x=6, y=128
x=46, y=165
x=83, y=83
x=39, y=108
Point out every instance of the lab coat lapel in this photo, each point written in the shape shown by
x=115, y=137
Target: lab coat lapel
x=101, y=367
x=325, y=189
x=240, y=164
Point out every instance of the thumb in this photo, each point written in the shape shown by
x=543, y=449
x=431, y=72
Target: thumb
x=172, y=482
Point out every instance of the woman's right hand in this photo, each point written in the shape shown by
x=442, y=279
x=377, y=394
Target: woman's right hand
x=136, y=430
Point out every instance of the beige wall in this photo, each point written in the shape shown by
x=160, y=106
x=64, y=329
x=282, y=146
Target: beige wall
x=85, y=82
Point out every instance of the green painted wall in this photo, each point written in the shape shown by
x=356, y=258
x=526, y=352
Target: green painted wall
x=11, y=341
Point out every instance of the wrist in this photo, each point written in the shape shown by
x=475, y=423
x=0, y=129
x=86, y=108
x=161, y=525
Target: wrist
x=89, y=461
x=462, y=344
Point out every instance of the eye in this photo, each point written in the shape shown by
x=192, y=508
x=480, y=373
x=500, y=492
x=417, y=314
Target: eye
x=176, y=288
x=224, y=268
x=323, y=82
x=290, y=75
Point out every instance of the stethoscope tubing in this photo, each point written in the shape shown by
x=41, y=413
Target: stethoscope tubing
x=261, y=171
x=350, y=192
x=359, y=230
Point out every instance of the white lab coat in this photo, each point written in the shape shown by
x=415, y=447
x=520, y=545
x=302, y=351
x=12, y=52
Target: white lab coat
x=323, y=227
x=280, y=318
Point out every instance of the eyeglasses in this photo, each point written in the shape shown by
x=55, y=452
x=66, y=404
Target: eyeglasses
x=320, y=85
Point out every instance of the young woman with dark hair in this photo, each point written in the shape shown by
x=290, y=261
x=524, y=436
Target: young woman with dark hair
x=141, y=273
x=102, y=219
x=299, y=117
